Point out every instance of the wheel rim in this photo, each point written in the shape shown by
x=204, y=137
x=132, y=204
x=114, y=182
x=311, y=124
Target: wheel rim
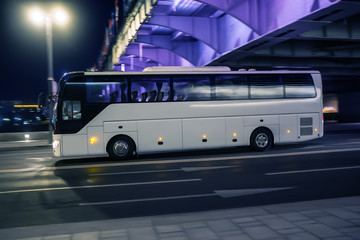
x=262, y=140
x=120, y=148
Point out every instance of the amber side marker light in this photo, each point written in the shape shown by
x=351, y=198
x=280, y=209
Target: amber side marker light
x=93, y=140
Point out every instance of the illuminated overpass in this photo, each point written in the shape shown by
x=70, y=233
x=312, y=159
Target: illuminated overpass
x=261, y=34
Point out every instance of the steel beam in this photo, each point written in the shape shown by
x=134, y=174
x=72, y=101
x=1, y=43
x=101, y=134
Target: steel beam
x=196, y=52
x=162, y=56
x=265, y=16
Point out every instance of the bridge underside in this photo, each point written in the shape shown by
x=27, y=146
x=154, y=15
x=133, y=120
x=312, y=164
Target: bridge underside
x=273, y=34
x=262, y=34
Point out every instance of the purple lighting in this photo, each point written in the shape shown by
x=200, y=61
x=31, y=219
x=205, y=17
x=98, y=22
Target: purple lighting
x=195, y=33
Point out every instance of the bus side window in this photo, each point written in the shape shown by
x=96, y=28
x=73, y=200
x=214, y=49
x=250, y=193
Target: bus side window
x=266, y=86
x=299, y=86
x=71, y=110
x=192, y=88
x=231, y=87
x=106, y=92
x=150, y=88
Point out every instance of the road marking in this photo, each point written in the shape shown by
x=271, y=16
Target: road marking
x=218, y=193
x=170, y=161
x=99, y=186
x=148, y=199
x=244, y=192
x=195, y=169
x=134, y=172
x=186, y=169
x=313, y=170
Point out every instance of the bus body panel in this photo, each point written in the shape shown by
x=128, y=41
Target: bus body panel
x=74, y=145
x=234, y=131
x=288, y=128
x=160, y=135
x=95, y=140
x=204, y=133
x=271, y=122
x=120, y=126
x=182, y=110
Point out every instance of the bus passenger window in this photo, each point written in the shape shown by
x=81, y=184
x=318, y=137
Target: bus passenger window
x=106, y=92
x=114, y=96
x=299, y=86
x=150, y=88
x=152, y=96
x=71, y=110
x=230, y=87
x=134, y=96
x=266, y=86
x=144, y=96
x=194, y=88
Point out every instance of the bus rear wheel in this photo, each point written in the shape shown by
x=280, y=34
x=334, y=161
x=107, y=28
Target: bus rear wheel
x=261, y=140
x=120, y=148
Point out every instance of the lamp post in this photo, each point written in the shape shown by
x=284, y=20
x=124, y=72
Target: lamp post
x=39, y=17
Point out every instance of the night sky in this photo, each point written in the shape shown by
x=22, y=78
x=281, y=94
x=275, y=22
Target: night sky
x=76, y=46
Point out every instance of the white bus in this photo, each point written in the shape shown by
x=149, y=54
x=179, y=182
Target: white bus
x=121, y=114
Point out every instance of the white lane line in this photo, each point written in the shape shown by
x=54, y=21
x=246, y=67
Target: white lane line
x=170, y=161
x=220, y=193
x=148, y=199
x=134, y=172
x=251, y=191
x=185, y=169
x=313, y=170
x=99, y=186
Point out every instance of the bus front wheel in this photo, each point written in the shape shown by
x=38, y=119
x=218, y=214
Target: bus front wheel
x=261, y=140
x=120, y=147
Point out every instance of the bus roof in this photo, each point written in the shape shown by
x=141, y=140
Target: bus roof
x=193, y=71
x=196, y=71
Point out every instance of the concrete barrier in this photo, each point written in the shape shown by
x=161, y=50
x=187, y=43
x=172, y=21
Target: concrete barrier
x=20, y=136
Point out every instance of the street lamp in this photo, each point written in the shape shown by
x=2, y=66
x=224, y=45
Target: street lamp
x=39, y=17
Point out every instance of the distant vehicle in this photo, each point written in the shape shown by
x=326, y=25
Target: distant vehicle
x=20, y=118
x=170, y=109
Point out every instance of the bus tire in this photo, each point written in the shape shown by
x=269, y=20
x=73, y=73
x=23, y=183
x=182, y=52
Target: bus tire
x=120, y=147
x=261, y=140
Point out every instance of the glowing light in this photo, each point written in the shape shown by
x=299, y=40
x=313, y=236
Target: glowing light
x=316, y=129
x=160, y=139
x=25, y=106
x=234, y=134
x=329, y=109
x=288, y=131
x=93, y=140
x=55, y=143
x=37, y=16
x=204, y=136
x=60, y=16
x=27, y=136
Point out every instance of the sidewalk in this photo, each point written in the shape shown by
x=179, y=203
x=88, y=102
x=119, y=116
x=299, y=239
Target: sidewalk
x=335, y=219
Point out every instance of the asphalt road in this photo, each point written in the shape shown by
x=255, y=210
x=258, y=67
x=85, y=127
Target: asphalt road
x=37, y=189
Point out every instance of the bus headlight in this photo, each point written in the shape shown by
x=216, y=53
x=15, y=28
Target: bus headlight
x=55, y=143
